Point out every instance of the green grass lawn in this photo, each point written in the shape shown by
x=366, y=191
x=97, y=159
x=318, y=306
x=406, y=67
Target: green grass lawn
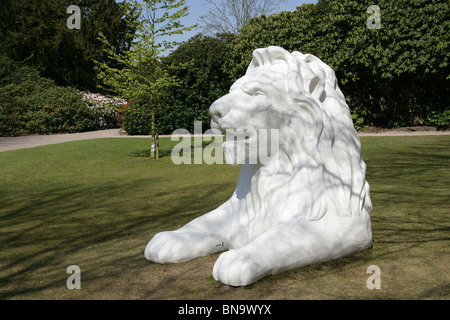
x=97, y=203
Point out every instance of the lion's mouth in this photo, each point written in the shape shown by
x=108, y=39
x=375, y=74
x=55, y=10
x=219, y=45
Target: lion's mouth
x=232, y=133
x=215, y=126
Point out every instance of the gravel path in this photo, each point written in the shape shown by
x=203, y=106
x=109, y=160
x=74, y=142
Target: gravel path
x=24, y=142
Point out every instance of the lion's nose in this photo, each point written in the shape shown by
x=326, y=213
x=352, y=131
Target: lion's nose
x=219, y=109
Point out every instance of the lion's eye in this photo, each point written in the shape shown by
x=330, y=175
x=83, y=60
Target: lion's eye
x=255, y=92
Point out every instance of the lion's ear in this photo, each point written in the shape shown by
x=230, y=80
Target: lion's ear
x=316, y=81
x=316, y=86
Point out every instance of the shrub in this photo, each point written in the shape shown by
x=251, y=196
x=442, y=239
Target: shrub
x=201, y=82
x=440, y=120
x=13, y=118
x=103, y=108
x=393, y=73
x=358, y=119
x=31, y=104
x=136, y=121
x=60, y=110
x=120, y=114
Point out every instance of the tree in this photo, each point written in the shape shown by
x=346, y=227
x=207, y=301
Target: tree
x=202, y=82
x=35, y=32
x=141, y=76
x=229, y=16
x=393, y=76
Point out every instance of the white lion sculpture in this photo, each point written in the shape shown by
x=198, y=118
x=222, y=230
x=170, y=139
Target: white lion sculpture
x=312, y=206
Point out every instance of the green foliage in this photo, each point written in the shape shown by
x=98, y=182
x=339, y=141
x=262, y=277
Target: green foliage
x=59, y=109
x=135, y=120
x=36, y=32
x=200, y=83
x=394, y=75
x=31, y=104
x=141, y=74
x=440, y=120
x=55, y=110
x=358, y=117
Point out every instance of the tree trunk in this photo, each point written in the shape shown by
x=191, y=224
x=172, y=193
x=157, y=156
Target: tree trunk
x=154, y=151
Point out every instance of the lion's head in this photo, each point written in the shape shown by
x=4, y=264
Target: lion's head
x=298, y=94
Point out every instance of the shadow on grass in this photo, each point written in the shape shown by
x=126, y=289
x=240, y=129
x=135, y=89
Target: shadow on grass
x=87, y=226
x=147, y=153
x=166, y=150
x=103, y=227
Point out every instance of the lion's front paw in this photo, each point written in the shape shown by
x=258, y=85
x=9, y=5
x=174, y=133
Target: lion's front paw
x=237, y=268
x=166, y=247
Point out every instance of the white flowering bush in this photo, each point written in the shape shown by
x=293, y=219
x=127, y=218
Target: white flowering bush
x=103, y=108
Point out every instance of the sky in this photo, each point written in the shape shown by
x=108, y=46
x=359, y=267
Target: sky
x=198, y=8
